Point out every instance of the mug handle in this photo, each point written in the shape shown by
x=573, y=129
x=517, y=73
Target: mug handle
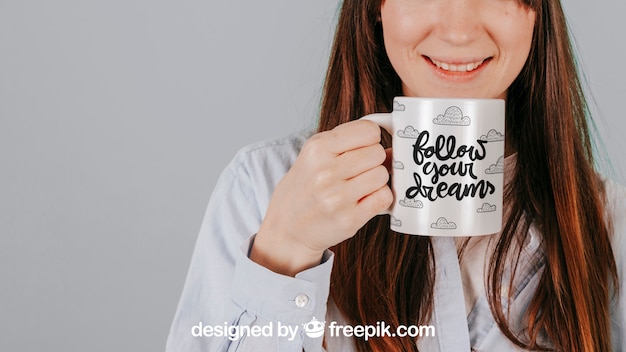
x=383, y=120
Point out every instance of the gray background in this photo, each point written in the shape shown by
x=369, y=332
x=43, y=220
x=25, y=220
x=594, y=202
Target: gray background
x=116, y=118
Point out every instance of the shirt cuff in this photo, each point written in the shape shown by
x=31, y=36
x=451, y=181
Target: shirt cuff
x=276, y=297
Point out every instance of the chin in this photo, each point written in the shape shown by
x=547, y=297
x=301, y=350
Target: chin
x=454, y=93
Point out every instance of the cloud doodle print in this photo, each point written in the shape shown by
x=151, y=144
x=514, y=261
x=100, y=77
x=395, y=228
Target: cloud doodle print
x=443, y=224
x=492, y=136
x=486, y=208
x=398, y=107
x=395, y=222
x=452, y=116
x=411, y=203
x=408, y=132
x=496, y=168
x=398, y=165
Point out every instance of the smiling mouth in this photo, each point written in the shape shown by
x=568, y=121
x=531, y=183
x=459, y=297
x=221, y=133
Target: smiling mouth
x=457, y=67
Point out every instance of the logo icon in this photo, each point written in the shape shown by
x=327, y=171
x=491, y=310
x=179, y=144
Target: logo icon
x=314, y=328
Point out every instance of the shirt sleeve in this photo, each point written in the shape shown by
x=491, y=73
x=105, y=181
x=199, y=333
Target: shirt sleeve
x=616, y=206
x=230, y=303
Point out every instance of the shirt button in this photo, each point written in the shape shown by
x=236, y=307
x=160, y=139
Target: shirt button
x=302, y=300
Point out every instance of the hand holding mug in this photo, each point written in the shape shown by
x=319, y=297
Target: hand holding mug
x=337, y=184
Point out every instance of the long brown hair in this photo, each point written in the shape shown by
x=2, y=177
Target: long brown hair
x=380, y=275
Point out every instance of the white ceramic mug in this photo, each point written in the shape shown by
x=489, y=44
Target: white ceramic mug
x=448, y=165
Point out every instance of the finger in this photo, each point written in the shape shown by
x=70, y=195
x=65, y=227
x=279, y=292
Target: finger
x=388, y=163
x=366, y=183
x=353, y=135
x=374, y=204
x=355, y=162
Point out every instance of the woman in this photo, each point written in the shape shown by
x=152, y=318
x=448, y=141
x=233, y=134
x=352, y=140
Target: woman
x=550, y=280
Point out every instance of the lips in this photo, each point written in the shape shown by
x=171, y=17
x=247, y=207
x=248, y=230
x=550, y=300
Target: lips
x=458, y=66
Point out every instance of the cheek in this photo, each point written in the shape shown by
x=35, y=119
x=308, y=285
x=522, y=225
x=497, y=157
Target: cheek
x=516, y=39
x=403, y=26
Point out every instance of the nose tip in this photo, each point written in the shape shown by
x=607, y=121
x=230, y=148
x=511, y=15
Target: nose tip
x=458, y=23
x=458, y=38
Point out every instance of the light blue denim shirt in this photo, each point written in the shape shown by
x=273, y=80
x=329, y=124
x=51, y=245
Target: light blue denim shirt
x=230, y=303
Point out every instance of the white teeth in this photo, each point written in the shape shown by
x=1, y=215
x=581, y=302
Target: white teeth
x=458, y=68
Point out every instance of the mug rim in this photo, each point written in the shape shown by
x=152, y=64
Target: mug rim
x=441, y=99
